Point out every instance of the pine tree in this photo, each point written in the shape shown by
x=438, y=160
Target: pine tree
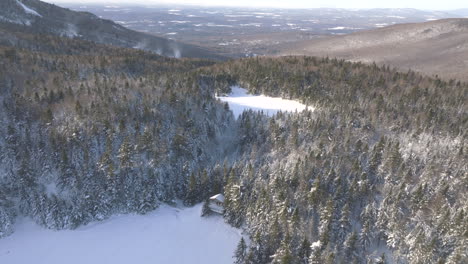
x=233, y=207
x=376, y=158
x=365, y=236
x=395, y=156
x=345, y=225
x=316, y=253
x=350, y=246
x=304, y=251
x=330, y=258
x=6, y=222
x=326, y=218
x=241, y=252
x=192, y=190
x=126, y=154
x=283, y=254
x=148, y=200
x=258, y=251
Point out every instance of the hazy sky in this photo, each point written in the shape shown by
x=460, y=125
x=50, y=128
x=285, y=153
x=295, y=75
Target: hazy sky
x=420, y=4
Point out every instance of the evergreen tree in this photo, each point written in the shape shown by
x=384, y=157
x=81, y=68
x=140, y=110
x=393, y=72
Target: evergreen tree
x=6, y=222
x=316, y=253
x=283, y=254
x=192, y=190
x=304, y=251
x=240, y=253
x=126, y=154
x=350, y=246
x=381, y=259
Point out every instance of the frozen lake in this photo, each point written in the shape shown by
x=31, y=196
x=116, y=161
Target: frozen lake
x=167, y=235
x=239, y=100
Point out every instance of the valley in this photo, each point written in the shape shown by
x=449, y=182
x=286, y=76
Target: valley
x=240, y=32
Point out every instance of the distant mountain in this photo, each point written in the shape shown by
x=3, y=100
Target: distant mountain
x=405, y=13
x=240, y=32
x=34, y=16
x=461, y=12
x=436, y=47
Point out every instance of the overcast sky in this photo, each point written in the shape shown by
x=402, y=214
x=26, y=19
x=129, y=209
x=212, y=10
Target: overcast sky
x=420, y=4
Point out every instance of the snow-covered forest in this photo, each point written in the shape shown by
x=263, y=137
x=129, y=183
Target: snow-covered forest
x=374, y=170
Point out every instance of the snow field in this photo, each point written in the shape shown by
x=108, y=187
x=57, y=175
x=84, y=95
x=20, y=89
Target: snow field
x=166, y=235
x=239, y=100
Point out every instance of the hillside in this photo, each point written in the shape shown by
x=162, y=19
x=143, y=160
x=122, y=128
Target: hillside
x=34, y=16
x=435, y=48
x=376, y=170
x=372, y=169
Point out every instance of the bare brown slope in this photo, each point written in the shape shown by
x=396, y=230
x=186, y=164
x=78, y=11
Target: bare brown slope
x=437, y=47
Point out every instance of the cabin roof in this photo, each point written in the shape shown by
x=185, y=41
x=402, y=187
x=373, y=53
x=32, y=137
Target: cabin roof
x=218, y=197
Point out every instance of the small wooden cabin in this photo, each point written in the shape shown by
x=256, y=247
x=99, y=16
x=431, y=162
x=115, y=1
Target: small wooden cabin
x=217, y=203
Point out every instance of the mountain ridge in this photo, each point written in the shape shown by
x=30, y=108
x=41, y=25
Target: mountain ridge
x=435, y=47
x=39, y=17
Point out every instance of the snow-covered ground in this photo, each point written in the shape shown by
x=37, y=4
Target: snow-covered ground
x=239, y=100
x=167, y=235
x=28, y=10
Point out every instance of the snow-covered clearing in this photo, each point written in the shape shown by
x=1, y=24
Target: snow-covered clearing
x=239, y=100
x=167, y=235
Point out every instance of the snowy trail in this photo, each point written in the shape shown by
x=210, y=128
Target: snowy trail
x=239, y=100
x=167, y=235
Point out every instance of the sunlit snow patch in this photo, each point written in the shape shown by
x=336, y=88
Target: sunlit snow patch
x=167, y=235
x=239, y=100
x=28, y=9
